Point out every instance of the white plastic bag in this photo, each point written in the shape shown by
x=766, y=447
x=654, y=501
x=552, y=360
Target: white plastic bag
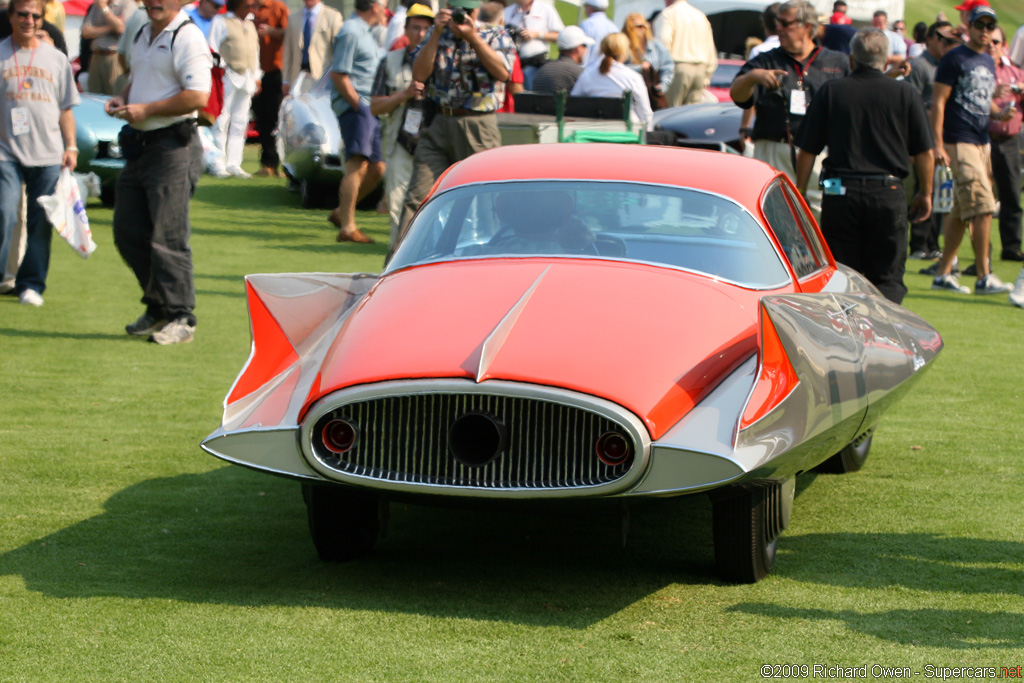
x=66, y=213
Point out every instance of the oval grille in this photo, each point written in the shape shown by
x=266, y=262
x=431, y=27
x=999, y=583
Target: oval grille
x=405, y=439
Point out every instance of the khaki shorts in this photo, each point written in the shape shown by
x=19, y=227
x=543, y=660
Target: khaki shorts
x=972, y=180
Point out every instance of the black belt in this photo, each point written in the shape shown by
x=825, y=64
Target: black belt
x=868, y=179
x=771, y=138
x=180, y=130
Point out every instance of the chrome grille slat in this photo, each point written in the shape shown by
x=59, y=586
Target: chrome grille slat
x=404, y=439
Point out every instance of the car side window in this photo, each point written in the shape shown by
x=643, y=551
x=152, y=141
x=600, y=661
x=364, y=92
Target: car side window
x=807, y=225
x=789, y=232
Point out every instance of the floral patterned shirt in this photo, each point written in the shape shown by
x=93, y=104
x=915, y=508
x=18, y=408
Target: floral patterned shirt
x=459, y=79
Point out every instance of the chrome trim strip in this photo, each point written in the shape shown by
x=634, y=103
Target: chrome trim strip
x=492, y=345
x=274, y=450
x=498, y=388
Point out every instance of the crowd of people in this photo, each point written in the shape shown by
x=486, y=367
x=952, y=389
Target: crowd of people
x=857, y=119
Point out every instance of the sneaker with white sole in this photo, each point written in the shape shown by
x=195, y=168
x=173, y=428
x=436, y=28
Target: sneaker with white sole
x=1017, y=295
x=145, y=325
x=237, y=172
x=177, y=331
x=950, y=284
x=990, y=284
x=30, y=297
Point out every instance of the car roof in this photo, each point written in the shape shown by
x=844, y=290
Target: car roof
x=731, y=175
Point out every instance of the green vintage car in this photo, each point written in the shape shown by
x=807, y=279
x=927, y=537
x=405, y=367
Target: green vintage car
x=98, y=151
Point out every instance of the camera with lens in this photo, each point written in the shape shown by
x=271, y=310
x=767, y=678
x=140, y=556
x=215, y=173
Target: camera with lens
x=1016, y=88
x=516, y=34
x=459, y=16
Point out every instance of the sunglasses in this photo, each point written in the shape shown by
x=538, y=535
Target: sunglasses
x=786, y=24
x=640, y=26
x=996, y=42
x=949, y=41
x=984, y=25
x=26, y=15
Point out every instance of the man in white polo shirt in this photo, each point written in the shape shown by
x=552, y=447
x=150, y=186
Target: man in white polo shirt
x=170, y=80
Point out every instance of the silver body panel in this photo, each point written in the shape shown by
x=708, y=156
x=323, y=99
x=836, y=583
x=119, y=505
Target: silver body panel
x=853, y=352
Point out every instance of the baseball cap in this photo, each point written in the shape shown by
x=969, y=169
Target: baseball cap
x=573, y=36
x=599, y=4
x=465, y=4
x=982, y=11
x=968, y=5
x=419, y=10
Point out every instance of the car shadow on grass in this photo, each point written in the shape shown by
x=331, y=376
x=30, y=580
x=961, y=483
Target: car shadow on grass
x=236, y=537
x=955, y=629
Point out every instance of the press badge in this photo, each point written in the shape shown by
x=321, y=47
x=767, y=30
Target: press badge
x=833, y=186
x=797, y=102
x=413, y=119
x=19, y=120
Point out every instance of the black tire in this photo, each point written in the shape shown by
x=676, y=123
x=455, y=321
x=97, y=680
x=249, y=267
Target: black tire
x=344, y=526
x=850, y=459
x=108, y=195
x=311, y=195
x=743, y=553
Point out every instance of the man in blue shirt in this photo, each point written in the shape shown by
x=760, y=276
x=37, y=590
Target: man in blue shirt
x=965, y=83
x=202, y=14
x=353, y=67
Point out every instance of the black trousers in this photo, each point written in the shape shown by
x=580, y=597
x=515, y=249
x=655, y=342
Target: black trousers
x=151, y=223
x=1006, y=173
x=924, y=236
x=265, y=106
x=866, y=229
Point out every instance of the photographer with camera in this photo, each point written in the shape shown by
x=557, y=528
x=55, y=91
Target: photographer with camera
x=534, y=26
x=464, y=65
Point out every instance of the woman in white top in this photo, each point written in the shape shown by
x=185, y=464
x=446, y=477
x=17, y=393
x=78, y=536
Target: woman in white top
x=609, y=77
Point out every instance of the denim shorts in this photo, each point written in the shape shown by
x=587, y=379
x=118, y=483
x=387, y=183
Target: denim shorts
x=360, y=131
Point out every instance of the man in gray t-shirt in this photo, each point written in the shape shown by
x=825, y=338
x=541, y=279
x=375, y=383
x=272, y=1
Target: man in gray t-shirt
x=940, y=37
x=37, y=138
x=924, y=236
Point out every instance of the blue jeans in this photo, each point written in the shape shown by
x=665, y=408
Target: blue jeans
x=39, y=182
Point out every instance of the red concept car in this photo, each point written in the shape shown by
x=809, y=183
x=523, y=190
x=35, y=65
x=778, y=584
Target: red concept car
x=576, y=321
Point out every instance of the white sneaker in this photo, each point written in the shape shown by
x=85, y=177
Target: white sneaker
x=31, y=297
x=175, y=332
x=1017, y=295
x=990, y=284
x=219, y=173
x=237, y=172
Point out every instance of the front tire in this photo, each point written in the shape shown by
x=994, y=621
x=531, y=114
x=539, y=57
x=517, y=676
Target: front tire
x=851, y=458
x=344, y=526
x=744, y=544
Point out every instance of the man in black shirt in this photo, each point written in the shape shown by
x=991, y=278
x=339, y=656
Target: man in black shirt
x=872, y=126
x=780, y=83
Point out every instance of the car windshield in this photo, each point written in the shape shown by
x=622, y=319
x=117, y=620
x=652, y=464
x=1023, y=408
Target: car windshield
x=660, y=225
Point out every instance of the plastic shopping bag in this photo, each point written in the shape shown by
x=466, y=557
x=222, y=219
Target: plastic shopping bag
x=66, y=212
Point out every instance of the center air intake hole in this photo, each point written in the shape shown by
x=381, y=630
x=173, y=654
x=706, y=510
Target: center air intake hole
x=475, y=439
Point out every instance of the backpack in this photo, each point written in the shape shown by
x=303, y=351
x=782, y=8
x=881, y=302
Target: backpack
x=208, y=114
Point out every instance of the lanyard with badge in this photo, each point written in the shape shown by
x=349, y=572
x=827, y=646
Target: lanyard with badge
x=798, y=96
x=798, y=100
x=19, y=115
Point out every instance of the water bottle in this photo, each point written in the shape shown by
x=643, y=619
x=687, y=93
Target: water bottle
x=942, y=199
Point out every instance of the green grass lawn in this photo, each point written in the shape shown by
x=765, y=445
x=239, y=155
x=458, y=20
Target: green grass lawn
x=128, y=554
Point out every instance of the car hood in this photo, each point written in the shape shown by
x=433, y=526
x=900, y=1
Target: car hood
x=654, y=340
